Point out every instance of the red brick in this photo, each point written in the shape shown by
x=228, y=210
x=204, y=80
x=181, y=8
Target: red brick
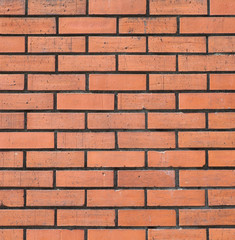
x=11, y=234
x=41, y=7
x=146, y=178
x=11, y=82
x=118, y=82
x=117, y=44
x=55, y=121
x=178, y=7
x=54, y=234
x=175, y=82
x=177, y=234
x=205, y=217
x=224, y=158
x=27, y=25
x=117, y=7
x=146, y=63
x=55, y=198
x=176, y=120
x=149, y=101
x=11, y=8
x=177, y=158
x=26, y=178
x=27, y=217
x=116, y=120
x=11, y=198
x=221, y=234
x=12, y=44
x=87, y=63
x=26, y=140
x=148, y=25
x=177, y=44
x=176, y=197
x=115, y=159
x=11, y=120
x=11, y=159
x=221, y=197
x=149, y=217
x=85, y=217
x=222, y=44
x=209, y=25
x=112, y=198
x=50, y=82
x=116, y=234
x=207, y=178
x=84, y=178
x=206, y=139
x=207, y=63
x=222, y=120
x=56, y=44
x=27, y=63
x=222, y=81
x=222, y=7
x=206, y=100
x=94, y=140
x=87, y=101
x=146, y=139
x=89, y=25
x=55, y=159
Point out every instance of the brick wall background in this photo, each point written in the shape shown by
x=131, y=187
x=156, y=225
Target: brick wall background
x=117, y=119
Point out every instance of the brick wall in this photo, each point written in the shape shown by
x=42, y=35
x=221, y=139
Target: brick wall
x=117, y=119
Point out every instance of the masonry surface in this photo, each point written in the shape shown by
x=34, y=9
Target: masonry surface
x=117, y=120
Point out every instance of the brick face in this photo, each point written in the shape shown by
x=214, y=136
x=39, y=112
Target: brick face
x=117, y=119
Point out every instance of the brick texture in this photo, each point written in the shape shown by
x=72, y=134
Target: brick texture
x=117, y=119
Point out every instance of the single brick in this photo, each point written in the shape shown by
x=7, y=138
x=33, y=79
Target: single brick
x=115, y=159
x=207, y=178
x=221, y=233
x=12, y=44
x=221, y=44
x=11, y=234
x=176, y=120
x=11, y=82
x=82, y=140
x=149, y=101
x=87, y=63
x=205, y=217
x=118, y=82
x=55, y=198
x=222, y=82
x=11, y=198
x=174, y=82
x=146, y=217
x=27, y=25
x=12, y=7
x=206, y=100
x=222, y=7
x=116, y=120
x=41, y=7
x=85, y=217
x=117, y=44
x=56, y=44
x=84, y=178
x=56, y=159
x=221, y=120
x=27, y=63
x=146, y=139
x=146, y=178
x=86, y=101
x=223, y=158
x=177, y=158
x=117, y=7
x=147, y=25
x=87, y=25
x=55, y=121
x=27, y=217
x=146, y=63
x=221, y=197
x=11, y=159
x=176, y=197
x=206, y=139
x=178, y=7
x=50, y=82
x=177, y=44
x=209, y=25
x=11, y=121
x=26, y=178
x=115, y=198
x=27, y=140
